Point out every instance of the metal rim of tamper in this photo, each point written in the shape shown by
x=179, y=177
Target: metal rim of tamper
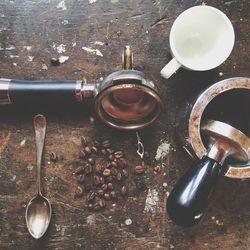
x=232, y=170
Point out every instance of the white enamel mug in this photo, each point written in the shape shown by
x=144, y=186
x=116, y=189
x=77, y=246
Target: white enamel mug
x=201, y=38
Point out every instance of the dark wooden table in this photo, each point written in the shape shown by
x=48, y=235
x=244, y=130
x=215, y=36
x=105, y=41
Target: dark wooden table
x=31, y=33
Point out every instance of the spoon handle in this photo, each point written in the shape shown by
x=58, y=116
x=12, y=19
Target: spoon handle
x=40, y=130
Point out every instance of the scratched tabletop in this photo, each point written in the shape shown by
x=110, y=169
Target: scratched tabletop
x=88, y=37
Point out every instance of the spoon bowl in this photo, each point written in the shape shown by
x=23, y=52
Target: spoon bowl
x=38, y=215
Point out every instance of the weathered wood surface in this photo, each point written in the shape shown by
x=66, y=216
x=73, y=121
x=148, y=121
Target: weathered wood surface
x=30, y=33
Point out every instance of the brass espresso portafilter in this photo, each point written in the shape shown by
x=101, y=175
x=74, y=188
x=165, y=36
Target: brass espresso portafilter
x=124, y=100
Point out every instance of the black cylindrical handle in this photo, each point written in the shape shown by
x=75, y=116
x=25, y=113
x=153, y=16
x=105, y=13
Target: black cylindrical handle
x=187, y=201
x=21, y=91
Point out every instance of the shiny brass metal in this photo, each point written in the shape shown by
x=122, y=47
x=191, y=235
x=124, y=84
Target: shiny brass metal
x=38, y=211
x=4, y=91
x=225, y=141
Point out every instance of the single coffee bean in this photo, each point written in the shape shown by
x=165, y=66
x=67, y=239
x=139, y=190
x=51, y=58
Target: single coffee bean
x=119, y=176
x=94, y=149
x=91, y=161
x=82, y=154
x=81, y=178
x=53, y=157
x=118, y=154
x=102, y=181
x=109, y=151
x=110, y=186
x=79, y=170
x=79, y=191
x=113, y=195
x=96, y=206
x=106, y=172
x=87, y=150
x=106, y=196
x=125, y=173
x=96, y=180
x=100, y=193
x=104, y=187
x=111, y=157
x=114, y=164
x=102, y=203
x=114, y=171
x=88, y=169
x=123, y=162
x=106, y=144
x=90, y=196
x=139, y=169
x=123, y=190
x=98, y=168
x=84, y=141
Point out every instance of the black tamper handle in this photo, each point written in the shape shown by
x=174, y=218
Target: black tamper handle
x=187, y=201
x=22, y=91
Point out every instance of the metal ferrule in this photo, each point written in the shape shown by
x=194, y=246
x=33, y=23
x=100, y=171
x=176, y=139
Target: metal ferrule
x=85, y=91
x=4, y=91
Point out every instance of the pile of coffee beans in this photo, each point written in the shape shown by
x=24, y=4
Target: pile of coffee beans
x=101, y=179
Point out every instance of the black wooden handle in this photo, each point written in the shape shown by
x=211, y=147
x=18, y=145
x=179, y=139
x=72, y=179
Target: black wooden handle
x=187, y=201
x=42, y=91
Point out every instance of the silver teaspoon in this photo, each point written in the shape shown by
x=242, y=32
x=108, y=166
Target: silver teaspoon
x=38, y=211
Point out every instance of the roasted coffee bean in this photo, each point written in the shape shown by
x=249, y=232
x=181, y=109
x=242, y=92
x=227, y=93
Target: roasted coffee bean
x=102, y=203
x=94, y=149
x=82, y=154
x=106, y=144
x=109, y=151
x=88, y=187
x=81, y=178
x=114, y=164
x=79, y=191
x=84, y=141
x=53, y=157
x=121, y=162
x=113, y=195
x=104, y=187
x=96, y=180
x=107, y=197
x=102, y=181
x=79, y=170
x=123, y=190
x=98, y=168
x=91, y=161
x=106, y=172
x=110, y=186
x=114, y=171
x=139, y=169
x=140, y=184
x=109, y=178
x=118, y=154
x=103, y=151
x=90, y=196
x=87, y=150
x=125, y=173
x=111, y=157
x=100, y=193
x=119, y=176
x=88, y=169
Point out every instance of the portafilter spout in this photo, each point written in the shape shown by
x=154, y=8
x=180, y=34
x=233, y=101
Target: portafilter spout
x=188, y=199
x=124, y=100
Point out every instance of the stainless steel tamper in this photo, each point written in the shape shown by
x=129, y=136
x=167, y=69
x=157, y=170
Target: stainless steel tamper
x=188, y=199
x=125, y=99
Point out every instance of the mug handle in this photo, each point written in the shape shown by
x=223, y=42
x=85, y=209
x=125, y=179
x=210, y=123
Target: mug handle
x=170, y=68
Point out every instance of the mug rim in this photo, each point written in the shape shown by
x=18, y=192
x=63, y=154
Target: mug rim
x=173, y=47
